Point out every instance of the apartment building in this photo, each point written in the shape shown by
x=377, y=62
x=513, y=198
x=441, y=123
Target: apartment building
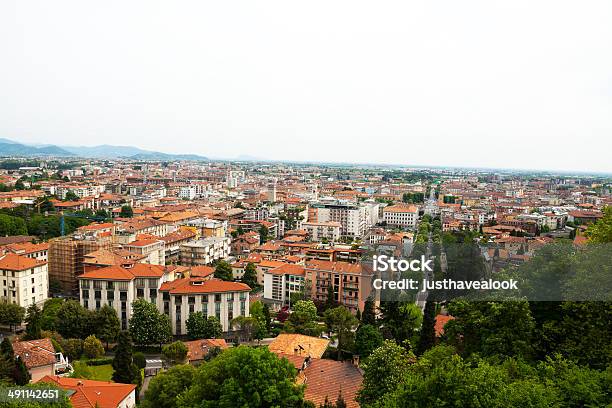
x=401, y=215
x=204, y=251
x=353, y=218
x=187, y=193
x=213, y=297
x=318, y=231
x=281, y=282
x=24, y=281
x=154, y=249
x=351, y=283
x=118, y=287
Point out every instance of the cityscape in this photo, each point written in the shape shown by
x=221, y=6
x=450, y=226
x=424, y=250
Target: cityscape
x=121, y=276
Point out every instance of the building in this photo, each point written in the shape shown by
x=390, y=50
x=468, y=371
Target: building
x=401, y=215
x=66, y=255
x=24, y=281
x=213, y=297
x=318, y=231
x=118, y=287
x=93, y=394
x=153, y=248
x=204, y=251
x=351, y=283
x=197, y=350
x=187, y=193
x=41, y=358
x=353, y=218
x=281, y=282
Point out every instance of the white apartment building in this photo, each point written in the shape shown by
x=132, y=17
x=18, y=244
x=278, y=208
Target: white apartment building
x=281, y=282
x=318, y=231
x=118, y=287
x=153, y=249
x=204, y=251
x=213, y=297
x=187, y=192
x=23, y=281
x=353, y=218
x=401, y=215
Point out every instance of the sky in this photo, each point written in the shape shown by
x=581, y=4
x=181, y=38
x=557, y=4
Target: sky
x=512, y=84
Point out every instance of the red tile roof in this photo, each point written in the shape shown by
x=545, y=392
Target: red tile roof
x=90, y=393
x=198, y=349
x=200, y=285
x=35, y=353
x=14, y=262
x=441, y=321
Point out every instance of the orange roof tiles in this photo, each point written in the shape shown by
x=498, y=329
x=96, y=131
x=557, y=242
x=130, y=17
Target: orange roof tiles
x=200, y=285
x=288, y=269
x=14, y=262
x=35, y=353
x=198, y=349
x=90, y=393
x=286, y=343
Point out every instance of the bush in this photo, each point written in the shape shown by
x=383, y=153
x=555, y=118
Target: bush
x=73, y=348
x=100, y=361
x=81, y=370
x=140, y=360
x=92, y=347
x=175, y=352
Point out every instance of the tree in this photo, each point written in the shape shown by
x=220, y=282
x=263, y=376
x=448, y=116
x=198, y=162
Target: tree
x=303, y=319
x=11, y=314
x=7, y=361
x=33, y=323
x=330, y=300
x=601, y=231
x=369, y=314
x=427, y=337
x=197, y=326
x=367, y=339
x=248, y=326
x=250, y=275
x=71, y=196
x=139, y=359
x=73, y=348
x=223, y=271
x=166, y=386
x=126, y=212
x=268, y=317
x=51, y=307
x=385, y=369
x=148, y=325
x=258, y=311
x=92, y=347
x=108, y=325
x=213, y=327
x=21, y=375
x=19, y=185
x=73, y=320
x=125, y=371
x=264, y=234
x=175, y=352
x=244, y=377
x=341, y=321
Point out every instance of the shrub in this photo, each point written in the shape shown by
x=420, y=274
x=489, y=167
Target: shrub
x=92, y=347
x=175, y=352
x=140, y=360
x=100, y=361
x=73, y=348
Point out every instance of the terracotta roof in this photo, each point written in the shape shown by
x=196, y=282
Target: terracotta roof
x=201, y=271
x=143, y=242
x=111, y=272
x=288, y=269
x=141, y=270
x=286, y=343
x=90, y=393
x=339, y=266
x=202, y=285
x=35, y=353
x=14, y=262
x=198, y=349
x=401, y=208
x=441, y=321
x=327, y=378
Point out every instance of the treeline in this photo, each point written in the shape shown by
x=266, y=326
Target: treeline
x=22, y=221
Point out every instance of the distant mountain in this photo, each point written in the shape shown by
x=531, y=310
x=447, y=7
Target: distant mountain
x=11, y=148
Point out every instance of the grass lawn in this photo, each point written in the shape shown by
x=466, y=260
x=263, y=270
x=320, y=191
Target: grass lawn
x=102, y=373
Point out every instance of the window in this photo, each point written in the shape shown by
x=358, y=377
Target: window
x=243, y=308
x=191, y=308
x=230, y=297
x=110, y=285
x=110, y=295
x=205, y=309
x=178, y=300
x=140, y=282
x=191, y=299
x=139, y=292
x=153, y=293
x=204, y=298
x=122, y=295
x=85, y=293
x=86, y=304
x=217, y=297
x=85, y=283
x=243, y=296
x=98, y=294
x=97, y=284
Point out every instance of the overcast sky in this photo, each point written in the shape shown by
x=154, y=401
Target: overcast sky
x=519, y=84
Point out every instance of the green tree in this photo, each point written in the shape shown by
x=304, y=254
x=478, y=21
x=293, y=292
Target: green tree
x=166, y=386
x=223, y=271
x=175, y=353
x=92, y=347
x=330, y=300
x=385, y=369
x=303, y=319
x=197, y=326
x=601, y=231
x=124, y=369
x=367, y=339
x=33, y=323
x=244, y=377
x=21, y=375
x=427, y=336
x=369, y=314
x=71, y=196
x=126, y=212
x=73, y=348
x=108, y=325
x=73, y=320
x=248, y=327
x=214, y=328
x=148, y=325
x=341, y=321
x=7, y=361
x=250, y=275
x=264, y=234
x=11, y=314
x=51, y=307
x=258, y=311
x=139, y=359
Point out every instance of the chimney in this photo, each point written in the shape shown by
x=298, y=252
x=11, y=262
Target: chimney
x=356, y=360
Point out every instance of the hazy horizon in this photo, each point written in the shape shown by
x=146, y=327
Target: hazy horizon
x=481, y=84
